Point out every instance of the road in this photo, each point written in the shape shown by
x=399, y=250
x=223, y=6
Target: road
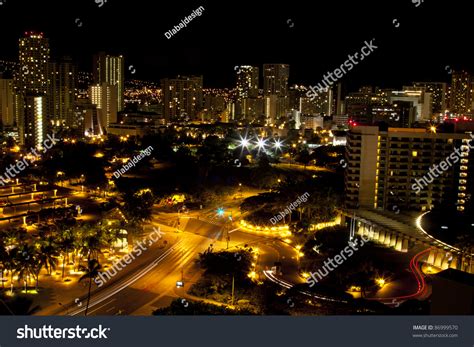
x=150, y=281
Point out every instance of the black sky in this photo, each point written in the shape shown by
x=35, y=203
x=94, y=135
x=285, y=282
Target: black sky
x=429, y=37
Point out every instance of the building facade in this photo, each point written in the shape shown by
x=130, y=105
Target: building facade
x=110, y=69
x=400, y=169
x=182, y=97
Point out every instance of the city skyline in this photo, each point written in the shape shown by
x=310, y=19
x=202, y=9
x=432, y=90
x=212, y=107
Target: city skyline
x=154, y=57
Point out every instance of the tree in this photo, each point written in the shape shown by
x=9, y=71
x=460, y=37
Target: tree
x=91, y=272
x=91, y=246
x=48, y=251
x=66, y=242
x=3, y=260
x=26, y=265
x=138, y=206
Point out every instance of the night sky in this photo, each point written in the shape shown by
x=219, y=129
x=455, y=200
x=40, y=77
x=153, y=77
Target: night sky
x=429, y=38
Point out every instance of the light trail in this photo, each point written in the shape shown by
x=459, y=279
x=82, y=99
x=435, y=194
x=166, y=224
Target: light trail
x=419, y=276
x=121, y=286
x=287, y=285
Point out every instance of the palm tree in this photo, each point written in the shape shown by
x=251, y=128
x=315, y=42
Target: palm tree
x=66, y=242
x=3, y=261
x=91, y=272
x=26, y=265
x=46, y=257
x=11, y=262
x=91, y=246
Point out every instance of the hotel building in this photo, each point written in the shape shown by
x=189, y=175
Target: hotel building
x=394, y=169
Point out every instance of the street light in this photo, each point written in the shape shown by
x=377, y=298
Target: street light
x=261, y=143
x=277, y=144
x=220, y=211
x=244, y=142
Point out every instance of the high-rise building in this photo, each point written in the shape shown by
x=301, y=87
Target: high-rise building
x=275, y=108
x=33, y=126
x=182, y=97
x=312, y=122
x=358, y=105
x=275, y=79
x=438, y=91
x=7, y=102
x=33, y=64
x=110, y=69
x=399, y=168
x=420, y=100
x=247, y=81
x=461, y=93
x=104, y=97
x=61, y=93
x=31, y=88
x=250, y=108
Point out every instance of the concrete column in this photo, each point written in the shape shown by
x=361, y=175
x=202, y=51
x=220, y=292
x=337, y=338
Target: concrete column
x=382, y=236
x=439, y=258
x=445, y=263
x=393, y=241
x=388, y=236
x=376, y=234
x=455, y=263
x=405, y=245
x=432, y=257
x=371, y=232
x=399, y=244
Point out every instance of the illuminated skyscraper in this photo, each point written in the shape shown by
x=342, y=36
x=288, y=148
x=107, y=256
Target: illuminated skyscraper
x=182, y=97
x=461, y=92
x=31, y=88
x=275, y=79
x=247, y=82
x=7, y=99
x=104, y=97
x=438, y=94
x=33, y=64
x=33, y=127
x=110, y=69
x=62, y=93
